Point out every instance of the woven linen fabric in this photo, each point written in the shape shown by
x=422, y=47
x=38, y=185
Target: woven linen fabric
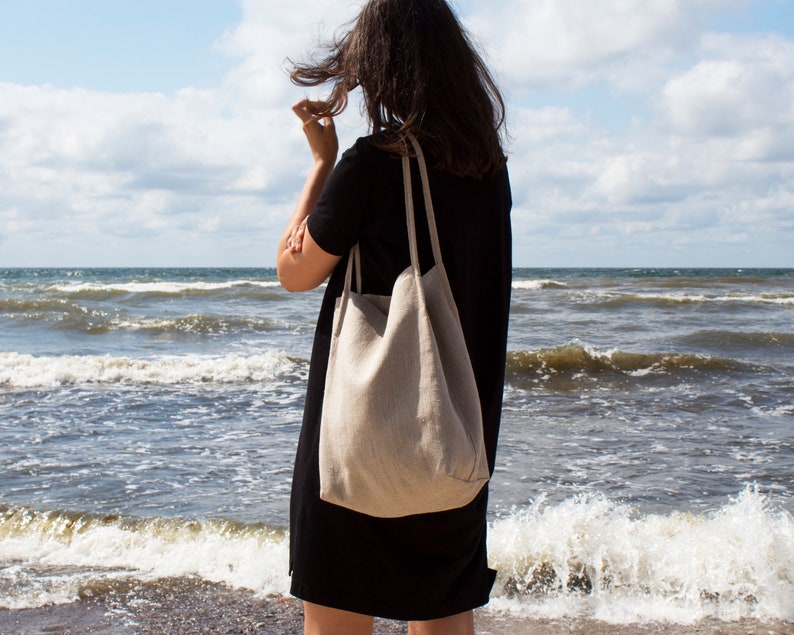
x=401, y=429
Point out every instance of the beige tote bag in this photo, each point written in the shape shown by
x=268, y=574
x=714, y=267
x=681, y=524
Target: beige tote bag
x=401, y=429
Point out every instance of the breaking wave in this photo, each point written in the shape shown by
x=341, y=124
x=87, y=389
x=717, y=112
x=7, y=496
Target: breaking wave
x=161, y=288
x=621, y=300
x=575, y=357
x=538, y=284
x=584, y=557
x=593, y=557
x=55, y=557
x=27, y=371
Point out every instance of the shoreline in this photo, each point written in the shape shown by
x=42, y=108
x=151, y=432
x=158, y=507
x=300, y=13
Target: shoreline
x=186, y=606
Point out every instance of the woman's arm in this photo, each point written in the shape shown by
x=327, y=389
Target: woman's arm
x=301, y=263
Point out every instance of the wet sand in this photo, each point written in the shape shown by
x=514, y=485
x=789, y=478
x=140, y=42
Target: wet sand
x=182, y=607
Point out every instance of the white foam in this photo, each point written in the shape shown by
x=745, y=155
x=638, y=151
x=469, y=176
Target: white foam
x=784, y=299
x=253, y=558
x=733, y=563
x=27, y=371
x=785, y=410
x=25, y=588
x=162, y=287
x=187, y=324
x=532, y=285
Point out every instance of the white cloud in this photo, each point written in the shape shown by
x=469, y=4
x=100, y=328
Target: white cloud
x=269, y=34
x=742, y=92
x=707, y=177
x=209, y=176
x=82, y=166
x=569, y=44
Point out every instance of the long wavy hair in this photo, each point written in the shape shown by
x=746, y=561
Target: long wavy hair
x=419, y=73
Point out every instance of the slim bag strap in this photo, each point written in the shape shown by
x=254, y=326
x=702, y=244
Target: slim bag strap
x=353, y=261
x=409, y=205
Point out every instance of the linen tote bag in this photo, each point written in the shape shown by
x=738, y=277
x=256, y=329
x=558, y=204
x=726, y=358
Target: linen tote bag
x=401, y=427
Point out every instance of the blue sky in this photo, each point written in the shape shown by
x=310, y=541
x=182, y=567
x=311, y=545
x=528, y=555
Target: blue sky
x=144, y=45
x=644, y=132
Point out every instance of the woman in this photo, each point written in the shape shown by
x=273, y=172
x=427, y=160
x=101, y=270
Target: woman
x=419, y=74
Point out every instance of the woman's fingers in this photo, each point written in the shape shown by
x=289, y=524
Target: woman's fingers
x=321, y=136
x=304, y=111
x=295, y=242
x=307, y=110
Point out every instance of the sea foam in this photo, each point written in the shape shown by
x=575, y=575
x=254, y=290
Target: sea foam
x=41, y=544
x=584, y=557
x=613, y=299
x=27, y=371
x=592, y=557
x=165, y=288
x=534, y=285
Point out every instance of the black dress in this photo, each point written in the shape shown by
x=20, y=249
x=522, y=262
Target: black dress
x=432, y=565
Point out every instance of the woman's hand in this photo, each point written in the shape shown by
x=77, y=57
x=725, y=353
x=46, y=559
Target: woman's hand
x=295, y=240
x=321, y=136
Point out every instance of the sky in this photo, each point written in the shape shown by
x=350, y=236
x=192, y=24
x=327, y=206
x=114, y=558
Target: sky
x=642, y=133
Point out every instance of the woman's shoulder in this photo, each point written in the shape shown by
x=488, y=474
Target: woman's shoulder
x=362, y=160
x=365, y=150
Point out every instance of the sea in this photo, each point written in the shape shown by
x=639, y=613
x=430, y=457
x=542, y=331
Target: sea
x=645, y=472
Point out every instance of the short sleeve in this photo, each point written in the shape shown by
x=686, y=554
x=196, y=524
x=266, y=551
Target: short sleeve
x=335, y=222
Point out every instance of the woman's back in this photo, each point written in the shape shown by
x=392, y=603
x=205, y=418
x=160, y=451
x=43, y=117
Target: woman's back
x=429, y=565
x=364, y=202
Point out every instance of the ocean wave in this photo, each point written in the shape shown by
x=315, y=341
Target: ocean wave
x=188, y=324
x=584, y=557
x=36, y=307
x=576, y=357
x=197, y=287
x=620, y=300
x=27, y=371
x=171, y=288
x=739, y=278
x=533, y=285
x=592, y=557
x=66, y=315
x=107, y=547
x=740, y=340
x=203, y=324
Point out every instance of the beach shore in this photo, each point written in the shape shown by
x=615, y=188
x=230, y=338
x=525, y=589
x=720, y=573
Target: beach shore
x=185, y=606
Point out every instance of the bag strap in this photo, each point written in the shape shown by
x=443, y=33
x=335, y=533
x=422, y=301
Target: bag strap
x=353, y=262
x=354, y=259
x=409, y=205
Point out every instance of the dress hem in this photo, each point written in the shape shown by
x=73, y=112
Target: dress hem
x=363, y=606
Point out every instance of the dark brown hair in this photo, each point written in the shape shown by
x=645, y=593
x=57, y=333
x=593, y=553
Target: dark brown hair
x=419, y=73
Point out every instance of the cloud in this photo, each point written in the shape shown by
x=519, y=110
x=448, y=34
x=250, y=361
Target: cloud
x=268, y=35
x=701, y=173
x=569, y=44
x=81, y=167
x=705, y=175
x=739, y=97
x=78, y=164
